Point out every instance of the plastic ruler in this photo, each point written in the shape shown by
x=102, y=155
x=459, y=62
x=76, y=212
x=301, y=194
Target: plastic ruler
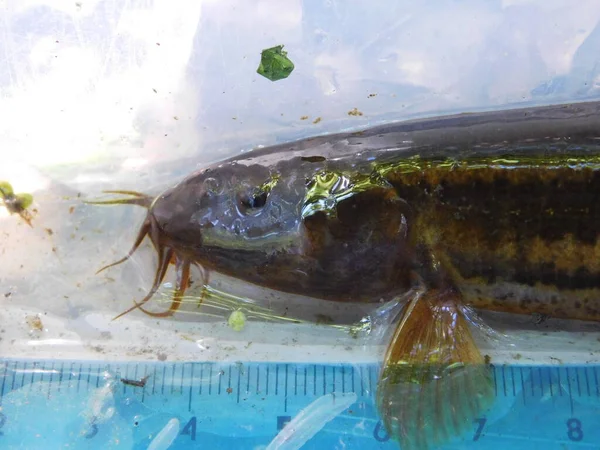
x=56, y=404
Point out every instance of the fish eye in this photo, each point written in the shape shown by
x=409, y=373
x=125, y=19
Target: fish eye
x=255, y=201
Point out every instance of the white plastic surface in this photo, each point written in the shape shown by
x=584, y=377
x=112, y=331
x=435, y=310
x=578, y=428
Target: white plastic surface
x=116, y=94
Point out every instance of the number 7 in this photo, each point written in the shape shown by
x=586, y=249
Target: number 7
x=481, y=424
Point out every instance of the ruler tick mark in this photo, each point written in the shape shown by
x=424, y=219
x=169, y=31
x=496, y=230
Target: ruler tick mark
x=587, y=381
x=50, y=380
x=560, y=393
x=173, y=379
x=541, y=381
x=362, y=382
x=296, y=380
x=596, y=380
x=305, y=378
x=570, y=392
x=229, y=380
x=578, y=382
x=239, y=376
x=248, y=380
x=154, y=380
x=512, y=377
x=286, y=387
x=522, y=384
x=201, y=378
x=60, y=377
x=162, y=384
x=79, y=376
x=343, y=382
x=191, y=387
x=276, y=379
x=257, y=379
x=550, y=384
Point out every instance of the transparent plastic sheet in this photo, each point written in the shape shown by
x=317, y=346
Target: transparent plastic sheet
x=130, y=95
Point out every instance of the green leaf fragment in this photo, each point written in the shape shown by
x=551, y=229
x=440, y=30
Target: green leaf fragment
x=25, y=200
x=237, y=320
x=274, y=64
x=5, y=189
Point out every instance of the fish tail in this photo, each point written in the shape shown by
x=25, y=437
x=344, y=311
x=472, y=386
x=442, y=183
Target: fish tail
x=434, y=382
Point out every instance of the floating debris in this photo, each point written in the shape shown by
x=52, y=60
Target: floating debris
x=274, y=64
x=16, y=203
x=135, y=383
x=355, y=112
x=237, y=320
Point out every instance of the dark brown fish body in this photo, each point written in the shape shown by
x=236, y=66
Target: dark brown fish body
x=505, y=203
x=497, y=210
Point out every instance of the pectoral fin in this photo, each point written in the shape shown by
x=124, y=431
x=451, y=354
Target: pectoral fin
x=434, y=382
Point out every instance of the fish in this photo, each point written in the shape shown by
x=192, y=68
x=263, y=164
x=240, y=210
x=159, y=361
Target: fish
x=495, y=210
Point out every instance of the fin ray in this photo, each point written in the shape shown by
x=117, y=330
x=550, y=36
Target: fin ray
x=434, y=382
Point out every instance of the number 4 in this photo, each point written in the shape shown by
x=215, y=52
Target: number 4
x=480, y=424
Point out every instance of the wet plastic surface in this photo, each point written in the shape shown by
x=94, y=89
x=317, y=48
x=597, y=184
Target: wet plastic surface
x=129, y=95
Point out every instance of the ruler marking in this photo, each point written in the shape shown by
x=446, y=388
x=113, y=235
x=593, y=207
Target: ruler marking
x=144, y=388
x=570, y=392
x=352, y=374
x=98, y=377
x=4, y=381
x=50, y=380
x=531, y=380
x=70, y=374
x=578, y=382
x=32, y=377
x=522, y=384
x=305, y=378
x=89, y=377
x=559, y=382
x=267, y=382
x=333, y=384
x=362, y=382
x=512, y=379
x=79, y=377
x=191, y=388
x=541, y=381
x=370, y=381
x=239, y=375
x=315, y=379
x=587, y=381
x=257, y=379
x=343, y=381
x=550, y=383
x=286, y=388
x=173, y=379
x=504, y=381
x=154, y=380
x=596, y=380
x=135, y=372
x=201, y=378
x=248, y=379
x=181, y=382
x=23, y=376
x=229, y=379
x=276, y=379
x=125, y=375
x=221, y=372
x=12, y=387
x=295, y=380
x=162, y=384
x=60, y=376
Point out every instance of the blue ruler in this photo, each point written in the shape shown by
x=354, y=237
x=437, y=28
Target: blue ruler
x=73, y=404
